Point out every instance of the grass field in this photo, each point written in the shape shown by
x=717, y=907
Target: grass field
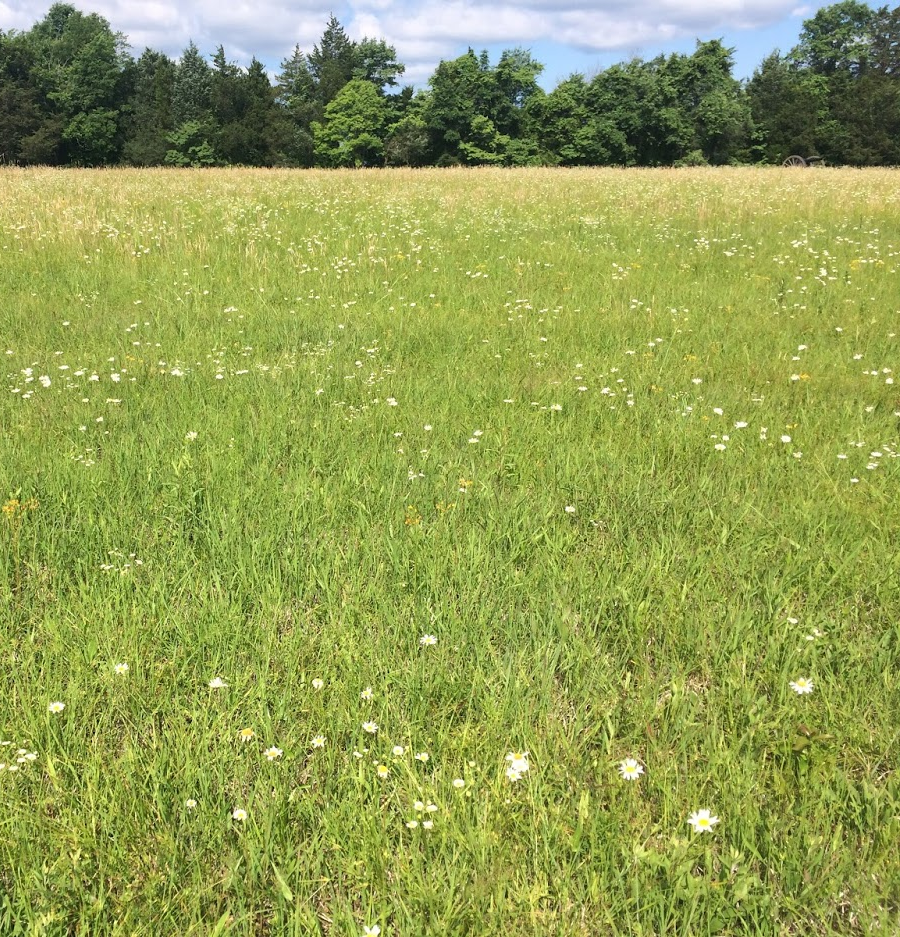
x=534, y=471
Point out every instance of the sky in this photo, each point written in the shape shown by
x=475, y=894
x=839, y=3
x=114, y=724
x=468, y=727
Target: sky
x=565, y=35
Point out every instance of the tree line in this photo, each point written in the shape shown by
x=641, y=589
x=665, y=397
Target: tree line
x=71, y=94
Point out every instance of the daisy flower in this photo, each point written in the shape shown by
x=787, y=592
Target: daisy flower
x=217, y=683
x=121, y=669
x=318, y=741
x=702, y=821
x=631, y=769
x=272, y=753
x=428, y=640
x=518, y=762
x=370, y=727
x=801, y=686
x=239, y=814
x=56, y=707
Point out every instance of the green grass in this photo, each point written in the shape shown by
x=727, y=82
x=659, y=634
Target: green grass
x=591, y=325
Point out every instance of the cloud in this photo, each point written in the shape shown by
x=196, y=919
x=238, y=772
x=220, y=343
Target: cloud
x=423, y=33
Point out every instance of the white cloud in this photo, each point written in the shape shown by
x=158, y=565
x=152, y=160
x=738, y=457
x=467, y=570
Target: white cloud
x=423, y=33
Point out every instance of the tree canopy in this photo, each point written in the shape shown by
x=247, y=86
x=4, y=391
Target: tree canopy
x=72, y=94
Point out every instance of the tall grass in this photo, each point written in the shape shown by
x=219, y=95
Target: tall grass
x=623, y=442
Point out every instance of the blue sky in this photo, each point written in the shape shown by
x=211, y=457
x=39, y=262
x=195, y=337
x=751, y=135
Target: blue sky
x=566, y=35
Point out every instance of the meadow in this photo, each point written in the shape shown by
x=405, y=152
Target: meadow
x=473, y=552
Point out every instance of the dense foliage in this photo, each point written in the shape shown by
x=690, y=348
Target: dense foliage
x=71, y=94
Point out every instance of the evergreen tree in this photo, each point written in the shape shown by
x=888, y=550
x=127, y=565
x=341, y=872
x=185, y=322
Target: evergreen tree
x=191, y=143
x=295, y=94
x=193, y=88
x=150, y=119
x=332, y=62
x=30, y=132
x=789, y=109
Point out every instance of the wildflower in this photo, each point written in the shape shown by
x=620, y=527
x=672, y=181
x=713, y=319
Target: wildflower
x=272, y=753
x=191, y=436
x=370, y=727
x=570, y=509
x=121, y=669
x=422, y=756
x=785, y=438
x=459, y=783
x=427, y=824
x=246, y=734
x=412, y=824
x=630, y=769
x=518, y=761
x=418, y=806
x=382, y=771
x=720, y=447
x=397, y=751
x=190, y=803
x=801, y=686
x=318, y=741
x=56, y=707
x=372, y=931
x=513, y=775
x=702, y=822
x=367, y=694
x=428, y=640
x=217, y=683
x=239, y=814
x=431, y=808
x=317, y=684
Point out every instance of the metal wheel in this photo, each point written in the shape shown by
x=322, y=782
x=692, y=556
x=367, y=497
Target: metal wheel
x=794, y=161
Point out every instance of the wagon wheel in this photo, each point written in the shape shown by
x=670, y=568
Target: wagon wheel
x=794, y=161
